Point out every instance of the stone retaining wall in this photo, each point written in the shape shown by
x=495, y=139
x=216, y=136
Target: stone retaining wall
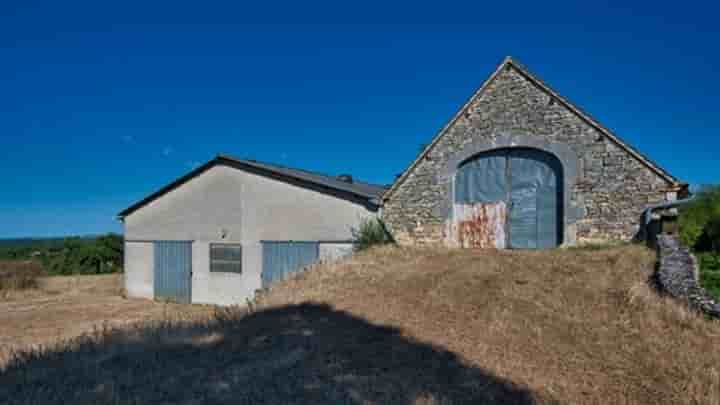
x=678, y=275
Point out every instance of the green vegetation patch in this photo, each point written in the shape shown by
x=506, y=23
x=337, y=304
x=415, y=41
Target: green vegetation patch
x=710, y=272
x=700, y=231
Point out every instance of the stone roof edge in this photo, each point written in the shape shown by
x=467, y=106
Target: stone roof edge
x=509, y=61
x=596, y=124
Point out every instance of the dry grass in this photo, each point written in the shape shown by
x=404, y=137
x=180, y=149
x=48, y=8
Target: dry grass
x=64, y=307
x=16, y=275
x=406, y=326
x=579, y=326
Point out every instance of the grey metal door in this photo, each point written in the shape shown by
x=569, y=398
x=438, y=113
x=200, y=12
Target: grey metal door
x=533, y=200
x=283, y=258
x=173, y=271
x=524, y=185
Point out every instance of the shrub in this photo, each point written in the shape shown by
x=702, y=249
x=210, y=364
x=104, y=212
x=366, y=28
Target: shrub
x=700, y=221
x=19, y=275
x=87, y=256
x=371, y=233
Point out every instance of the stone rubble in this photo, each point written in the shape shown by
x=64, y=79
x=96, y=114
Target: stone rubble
x=678, y=275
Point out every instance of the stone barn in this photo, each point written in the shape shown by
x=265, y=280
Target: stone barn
x=519, y=166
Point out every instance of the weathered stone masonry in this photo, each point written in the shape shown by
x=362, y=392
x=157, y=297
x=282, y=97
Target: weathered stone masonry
x=608, y=192
x=678, y=276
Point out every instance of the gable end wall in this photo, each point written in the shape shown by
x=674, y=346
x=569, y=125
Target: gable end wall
x=609, y=192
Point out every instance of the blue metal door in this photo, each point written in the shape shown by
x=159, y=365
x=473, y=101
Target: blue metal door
x=533, y=218
x=283, y=258
x=173, y=271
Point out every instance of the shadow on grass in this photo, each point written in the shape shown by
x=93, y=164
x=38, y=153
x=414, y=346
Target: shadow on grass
x=302, y=354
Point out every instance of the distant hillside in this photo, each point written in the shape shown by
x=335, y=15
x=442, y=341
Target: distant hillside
x=39, y=242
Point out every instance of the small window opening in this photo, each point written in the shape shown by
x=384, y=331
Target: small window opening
x=225, y=258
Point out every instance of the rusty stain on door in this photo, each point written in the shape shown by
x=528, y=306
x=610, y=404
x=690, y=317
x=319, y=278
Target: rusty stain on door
x=479, y=210
x=477, y=225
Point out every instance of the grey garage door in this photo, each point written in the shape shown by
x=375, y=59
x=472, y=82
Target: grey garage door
x=528, y=182
x=283, y=258
x=173, y=271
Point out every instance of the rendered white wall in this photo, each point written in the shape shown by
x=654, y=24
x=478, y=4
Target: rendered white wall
x=139, y=269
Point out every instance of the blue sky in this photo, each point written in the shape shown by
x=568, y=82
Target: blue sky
x=101, y=104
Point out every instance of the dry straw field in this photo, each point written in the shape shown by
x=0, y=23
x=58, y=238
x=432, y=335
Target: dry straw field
x=392, y=326
x=16, y=275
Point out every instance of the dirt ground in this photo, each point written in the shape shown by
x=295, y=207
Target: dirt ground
x=66, y=307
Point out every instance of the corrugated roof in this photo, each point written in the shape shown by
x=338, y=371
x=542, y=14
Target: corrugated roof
x=357, y=190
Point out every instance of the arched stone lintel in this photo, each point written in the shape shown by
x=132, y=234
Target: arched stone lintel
x=519, y=139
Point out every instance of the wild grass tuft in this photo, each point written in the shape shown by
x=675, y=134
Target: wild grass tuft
x=19, y=274
x=371, y=232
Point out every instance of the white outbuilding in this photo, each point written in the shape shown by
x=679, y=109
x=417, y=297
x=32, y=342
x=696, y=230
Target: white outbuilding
x=233, y=226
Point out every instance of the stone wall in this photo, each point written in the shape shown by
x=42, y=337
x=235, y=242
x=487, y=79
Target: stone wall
x=606, y=197
x=677, y=275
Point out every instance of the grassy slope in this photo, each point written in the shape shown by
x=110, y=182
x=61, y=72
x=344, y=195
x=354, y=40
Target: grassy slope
x=408, y=326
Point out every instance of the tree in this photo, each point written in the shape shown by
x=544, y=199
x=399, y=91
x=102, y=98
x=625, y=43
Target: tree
x=112, y=248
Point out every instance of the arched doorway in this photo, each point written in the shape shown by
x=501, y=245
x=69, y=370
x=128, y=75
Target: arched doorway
x=508, y=198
